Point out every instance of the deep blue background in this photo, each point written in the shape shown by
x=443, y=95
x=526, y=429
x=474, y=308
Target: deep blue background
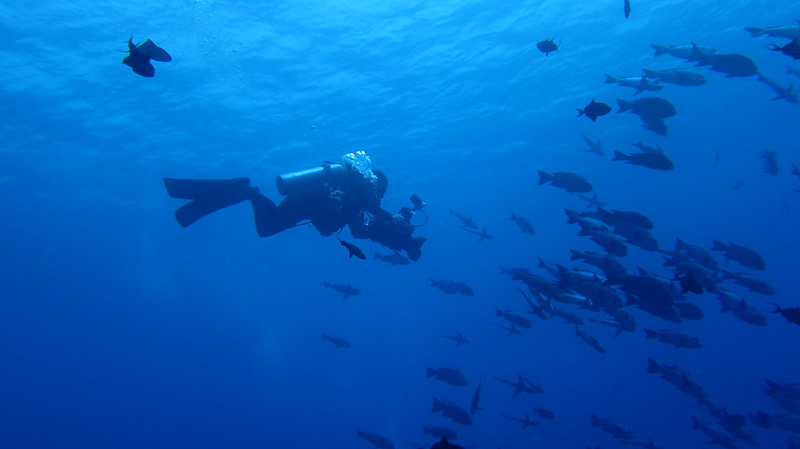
x=120, y=329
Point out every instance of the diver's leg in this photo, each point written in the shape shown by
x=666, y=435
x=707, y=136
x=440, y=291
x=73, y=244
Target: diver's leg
x=265, y=212
x=207, y=195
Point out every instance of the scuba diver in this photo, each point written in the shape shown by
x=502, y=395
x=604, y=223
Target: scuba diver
x=330, y=197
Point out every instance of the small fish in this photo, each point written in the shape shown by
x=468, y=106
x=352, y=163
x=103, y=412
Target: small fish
x=346, y=290
x=378, y=441
x=139, y=57
x=791, y=314
x=737, y=185
x=547, y=46
x=451, y=411
x=590, y=340
x=353, y=250
x=594, y=147
x=476, y=398
x=544, y=413
x=444, y=444
x=482, y=234
x=447, y=375
x=467, y=221
x=640, y=83
x=783, y=93
x=679, y=77
x=571, y=182
x=656, y=161
x=524, y=224
x=338, y=342
x=458, y=338
x=594, y=110
x=780, y=31
x=626, y=8
x=770, y=162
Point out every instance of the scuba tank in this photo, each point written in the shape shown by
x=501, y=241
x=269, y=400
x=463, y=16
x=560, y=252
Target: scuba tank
x=298, y=181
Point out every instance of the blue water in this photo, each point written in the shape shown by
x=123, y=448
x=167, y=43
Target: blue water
x=120, y=329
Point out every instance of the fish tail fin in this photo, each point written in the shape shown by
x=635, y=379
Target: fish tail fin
x=755, y=31
x=429, y=372
x=719, y=246
x=624, y=105
x=778, y=308
x=650, y=333
x=659, y=49
x=575, y=255
x=610, y=79
x=580, y=112
x=620, y=156
x=544, y=177
x=653, y=366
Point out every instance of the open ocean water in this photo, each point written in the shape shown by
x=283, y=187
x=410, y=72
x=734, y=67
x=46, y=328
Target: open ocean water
x=120, y=329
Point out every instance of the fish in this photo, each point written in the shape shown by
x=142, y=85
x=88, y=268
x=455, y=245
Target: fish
x=732, y=65
x=536, y=310
x=732, y=302
x=451, y=411
x=524, y=224
x=445, y=444
x=346, y=290
x=594, y=109
x=476, y=398
x=745, y=256
x=353, y=250
x=594, y=147
x=513, y=318
x=511, y=330
x=483, y=234
x=640, y=83
x=447, y=375
x=656, y=161
x=791, y=49
x=652, y=111
x=139, y=57
x=522, y=385
x=338, y=342
x=544, y=413
x=780, y=31
x=716, y=434
x=458, y=338
x=770, y=162
x=750, y=282
x=674, y=76
x=626, y=8
x=571, y=182
x=379, y=441
x=610, y=242
x=677, y=377
x=393, y=259
x=792, y=314
x=467, y=222
x=674, y=338
x=613, y=428
x=686, y=52
x=783, y=93
x=593, y=201
x=547, y=46
x=689, y=284
x=526, y=421
x=440, y=432
x=590, y=340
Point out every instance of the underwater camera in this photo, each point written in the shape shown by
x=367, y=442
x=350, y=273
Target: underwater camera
x=418, y=205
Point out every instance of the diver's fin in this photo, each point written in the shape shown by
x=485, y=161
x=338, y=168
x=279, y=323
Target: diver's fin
x=207, y=195
x=155, y=52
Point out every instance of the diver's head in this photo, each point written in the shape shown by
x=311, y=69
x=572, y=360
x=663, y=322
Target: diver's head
x=381, y=183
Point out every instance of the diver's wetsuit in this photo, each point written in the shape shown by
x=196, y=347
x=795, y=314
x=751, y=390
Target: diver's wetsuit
x=339, y=198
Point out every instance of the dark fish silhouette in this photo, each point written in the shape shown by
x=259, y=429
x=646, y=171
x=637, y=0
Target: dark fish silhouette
x=440, y=432
x=783, y=93
x=447, y=375
x=467, y=221
x=770, y=162
x=791, y=314
x=139, y=57
x=791, y=49
x=679, y=77
x=346, y=290
x=526, y=422
x=353, y=250
x=732, y=65
x=378, y=441
x=338, y=342
x=476, y=398
x=524, y=224
x=741, y=254
x=626, y=7
x=652, y=111
x=594, y=147
x=547, y=46
x=544, y=413
x=594, y=110
x=482, y=234
x=675, y=338
x=451, y=411
x=571, y=182
x=444, y=444
x=656, y=161
x=458, y=338
x=689, y=284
